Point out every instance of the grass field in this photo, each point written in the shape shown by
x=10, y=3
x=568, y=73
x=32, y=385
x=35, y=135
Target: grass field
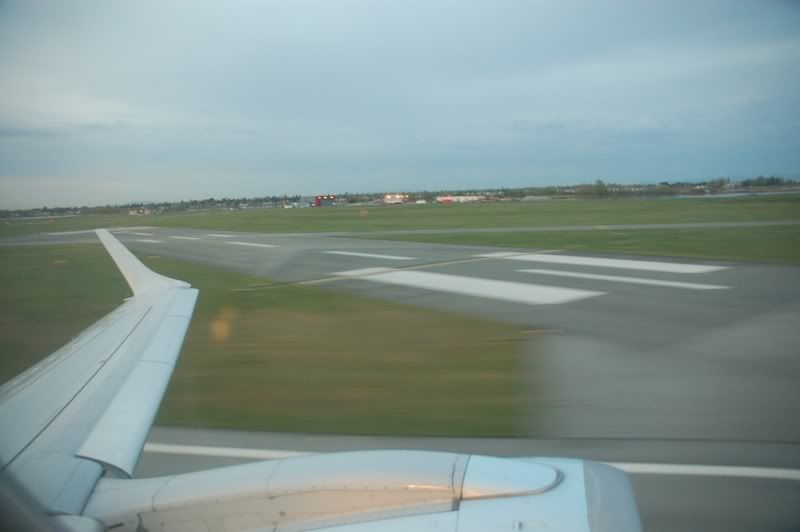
x=285, y=358
x=72, y=223
x=514, y=214
x=48, y=296
x=779, y=244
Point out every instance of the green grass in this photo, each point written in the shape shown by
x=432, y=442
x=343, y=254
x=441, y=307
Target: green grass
x=513, y=214
x=72, y=223
x=517, y=214
x=283, y=358
x=49, y=295
x=780, y=244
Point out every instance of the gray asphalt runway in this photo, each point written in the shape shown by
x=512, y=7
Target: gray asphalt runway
x=640, y=360
x=562, y=228
x=645, y=359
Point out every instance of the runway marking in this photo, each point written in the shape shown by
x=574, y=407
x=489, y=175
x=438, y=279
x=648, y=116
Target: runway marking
x=322, y=280
x=631, y=280
x=369, y=255
x=633, y=468
x=185, y=237
x=500, y=255
x=530, y=294
x=626, y=264
x=142, y=234
x=217, y=235
x=226, y=452
x=150, y=241
x=250, y=244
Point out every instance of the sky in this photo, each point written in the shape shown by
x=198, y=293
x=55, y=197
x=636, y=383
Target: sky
x=110, y=102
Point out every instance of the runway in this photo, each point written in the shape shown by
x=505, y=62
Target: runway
x=646, y=360
x=635, y=346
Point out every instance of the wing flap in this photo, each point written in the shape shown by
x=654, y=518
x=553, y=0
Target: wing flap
x=118, y=437
x=31, y=402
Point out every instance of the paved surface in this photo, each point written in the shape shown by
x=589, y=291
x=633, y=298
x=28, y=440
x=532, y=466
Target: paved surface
x=667, y=502
x=649, y=358
x=561, y=228
x=715, y=359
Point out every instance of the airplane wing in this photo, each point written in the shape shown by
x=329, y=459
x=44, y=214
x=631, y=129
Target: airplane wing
x=73, y=427
x=88, y=407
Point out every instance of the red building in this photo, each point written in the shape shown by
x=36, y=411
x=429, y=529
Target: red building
x=325, y=201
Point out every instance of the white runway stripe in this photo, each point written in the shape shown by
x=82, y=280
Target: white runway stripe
x=501, y=255
x=217, y=235
x=645, y=265
x=707, y=470
x=185, y=237
x=250, y=244
x=142, y=234
x=631, y=280
x=369, y=255
x=150, y=241
x=634, y=468
x=227, y=452
x=530, y=294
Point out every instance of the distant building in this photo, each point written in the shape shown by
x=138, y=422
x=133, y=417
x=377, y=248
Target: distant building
x=395, y=199
x=459, y=199
x=327, y=200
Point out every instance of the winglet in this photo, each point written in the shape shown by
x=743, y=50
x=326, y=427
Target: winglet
x=140, y=278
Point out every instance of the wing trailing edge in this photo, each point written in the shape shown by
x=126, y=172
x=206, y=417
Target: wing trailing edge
x=117, y=438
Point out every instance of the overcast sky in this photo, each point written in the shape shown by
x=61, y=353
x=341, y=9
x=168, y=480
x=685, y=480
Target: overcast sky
x=119, y=101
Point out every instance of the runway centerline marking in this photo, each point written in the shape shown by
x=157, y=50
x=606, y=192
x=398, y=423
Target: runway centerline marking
x=625, y=264
x=633, y=468
x=217, y=235
x=526, y=293
x=630, y=280
x=369, y=255
x=185, y=237
x=250, y=244
x=142, y=234
x=150, y=241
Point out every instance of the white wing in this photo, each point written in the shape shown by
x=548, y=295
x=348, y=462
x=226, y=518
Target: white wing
x=89, y=406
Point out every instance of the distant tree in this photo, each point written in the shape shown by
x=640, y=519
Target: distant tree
x=763, y=181
x=599, y=188
x=717, y=185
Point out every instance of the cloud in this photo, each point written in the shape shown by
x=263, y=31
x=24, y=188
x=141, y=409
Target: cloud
x=300, y=96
